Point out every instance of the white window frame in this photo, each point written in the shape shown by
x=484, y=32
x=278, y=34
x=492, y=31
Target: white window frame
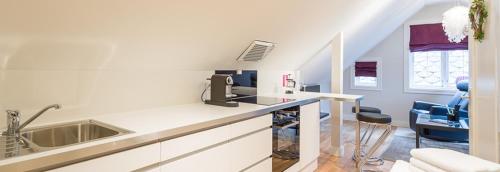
x=408, y=64
x=379, y=76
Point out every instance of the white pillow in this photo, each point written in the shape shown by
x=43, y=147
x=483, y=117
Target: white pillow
x=449, y=160
x=400, y=166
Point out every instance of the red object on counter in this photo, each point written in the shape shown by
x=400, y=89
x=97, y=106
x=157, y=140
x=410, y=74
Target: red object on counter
x=285, y=78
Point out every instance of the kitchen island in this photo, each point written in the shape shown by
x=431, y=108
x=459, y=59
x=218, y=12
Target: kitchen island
x=185, y=137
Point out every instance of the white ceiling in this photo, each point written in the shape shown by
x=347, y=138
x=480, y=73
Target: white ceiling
x=174, y=34
x=190, y=34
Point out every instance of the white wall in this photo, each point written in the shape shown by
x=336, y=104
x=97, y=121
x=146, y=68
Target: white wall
x=94, y=92
x=498, y=64
x=392, y=99
x=271, y=81
x=311, y=75
x=96, y=57
x=382, y=18
x=360, y=38
x=497, y=26
x=485, y=90
x=497, y=3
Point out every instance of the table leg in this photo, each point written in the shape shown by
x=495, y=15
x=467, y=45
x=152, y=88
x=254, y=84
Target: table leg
x=417, y=137
x=357, y=149
x=357, y=105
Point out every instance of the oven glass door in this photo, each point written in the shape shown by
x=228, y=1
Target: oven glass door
x=286, y=139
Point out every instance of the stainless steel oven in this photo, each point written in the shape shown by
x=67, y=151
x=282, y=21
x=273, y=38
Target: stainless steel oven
x=286, y=138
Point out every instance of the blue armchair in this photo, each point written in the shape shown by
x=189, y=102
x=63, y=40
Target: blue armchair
x=439, y=109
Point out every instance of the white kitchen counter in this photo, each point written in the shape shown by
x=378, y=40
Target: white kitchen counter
x=154, y=125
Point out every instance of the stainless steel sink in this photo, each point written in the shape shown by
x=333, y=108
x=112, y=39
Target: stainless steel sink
x=70, y=133
x=55, y=136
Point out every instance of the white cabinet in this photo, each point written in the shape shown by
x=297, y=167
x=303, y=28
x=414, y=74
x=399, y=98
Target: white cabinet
x=309, y=133
x=309, y=138
x=123, y=161
x=187, y=144
x=266, y=165
x=229, y=148
x=249, y=150
x=243, y=145
x=212, y=159
x=227, y=157
x=251, y=125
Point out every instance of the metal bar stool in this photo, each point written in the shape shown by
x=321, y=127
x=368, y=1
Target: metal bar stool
x=375, y=120
x=370, y=128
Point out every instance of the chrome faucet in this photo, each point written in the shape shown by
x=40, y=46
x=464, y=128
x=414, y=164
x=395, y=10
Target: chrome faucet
x=14, y=117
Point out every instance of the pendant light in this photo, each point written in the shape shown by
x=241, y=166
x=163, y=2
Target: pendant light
x=456, y=23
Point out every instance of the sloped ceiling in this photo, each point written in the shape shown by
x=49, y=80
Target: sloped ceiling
x=377, y=25
x=190, y=34
x=365, y=32
x=185, y=34
x=174, y=34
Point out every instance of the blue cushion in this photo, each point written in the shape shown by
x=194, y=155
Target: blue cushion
x=463, y=85
x=455, y=99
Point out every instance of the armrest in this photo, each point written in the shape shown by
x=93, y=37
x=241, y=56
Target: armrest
x=421, y=105
x=439, y=110
x=463, y=113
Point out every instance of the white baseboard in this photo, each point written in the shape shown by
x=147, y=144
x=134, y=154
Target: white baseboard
x=351, y=117
x=337, y=151
x=401, y=124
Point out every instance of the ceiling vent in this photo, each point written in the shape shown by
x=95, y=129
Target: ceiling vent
x=256, y=51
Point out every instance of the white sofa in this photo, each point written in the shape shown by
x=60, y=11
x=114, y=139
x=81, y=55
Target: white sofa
x=443, y=160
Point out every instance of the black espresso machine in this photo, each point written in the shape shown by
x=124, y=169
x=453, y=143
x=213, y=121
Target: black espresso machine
x=220, y=91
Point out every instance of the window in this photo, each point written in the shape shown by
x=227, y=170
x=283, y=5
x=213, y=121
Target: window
x=438, y=70
x=363, y=81
x=433, y=64
x=368, y=77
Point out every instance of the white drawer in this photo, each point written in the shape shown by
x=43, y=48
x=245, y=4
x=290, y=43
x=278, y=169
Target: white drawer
x=186, y=144
x=213, y=159
x=264, y=166
x=123, y=161
x=251, y=125
x=189, y=143
x=246, y=151
x=232, y=156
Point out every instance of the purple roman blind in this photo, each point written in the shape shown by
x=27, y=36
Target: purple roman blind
x=431, y=37
x=368, y=69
